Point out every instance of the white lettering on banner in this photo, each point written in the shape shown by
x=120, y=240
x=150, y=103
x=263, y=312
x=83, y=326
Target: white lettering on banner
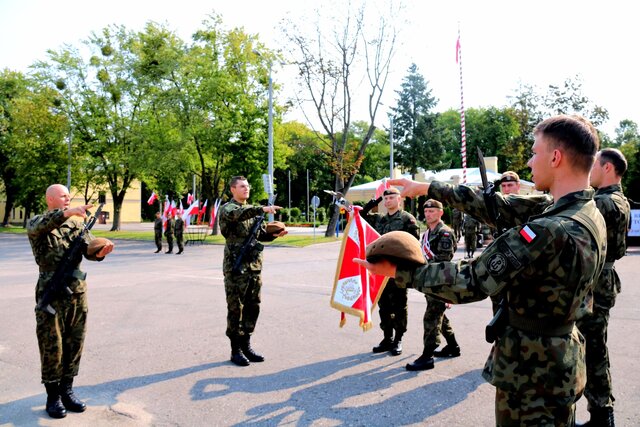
x=635, y=223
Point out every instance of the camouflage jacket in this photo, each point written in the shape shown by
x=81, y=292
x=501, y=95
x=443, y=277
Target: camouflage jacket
x=471, y=225
x=50, y=235
x=168, y=231
x=235, y=222
x=401, y=220
x=179, y=227
x=615, y=209
x=441, y=242
x=546, y=266
x=157, y=226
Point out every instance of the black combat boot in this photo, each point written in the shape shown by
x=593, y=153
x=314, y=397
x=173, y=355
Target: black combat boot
x=422, y=363
x=396, y=350
x=600, y=417
x=68, y=397
x=236, y=353
x=452, y=349
x=54, y=406
x=179, y=252
x=386, y=344
x=249, y=352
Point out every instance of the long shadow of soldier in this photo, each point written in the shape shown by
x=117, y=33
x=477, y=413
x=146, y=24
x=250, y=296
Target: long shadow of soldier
x=30, y=410
x=324, y=390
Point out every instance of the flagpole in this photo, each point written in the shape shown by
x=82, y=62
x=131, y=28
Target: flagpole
x=462, y=121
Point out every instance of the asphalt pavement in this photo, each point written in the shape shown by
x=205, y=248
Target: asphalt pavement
x=156, y=353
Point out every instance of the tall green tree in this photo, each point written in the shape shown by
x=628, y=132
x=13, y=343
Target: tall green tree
x=627, y=139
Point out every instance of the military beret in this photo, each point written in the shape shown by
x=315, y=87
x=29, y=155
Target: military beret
x=399, y=247
x=432, y=203
x=275, y=227
x=96, y=244
x=509, y=176
x=390, y=191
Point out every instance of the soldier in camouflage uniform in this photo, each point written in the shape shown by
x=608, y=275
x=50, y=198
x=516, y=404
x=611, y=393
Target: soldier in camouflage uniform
x=60, y=335
x=157, y=230
x=606, y=176
x=438, y=244
x=179, y=232
x=242, y=288
x=393, y=301
x=168, y=231
x=546, y=265
x=471, y=228
x=456, y=223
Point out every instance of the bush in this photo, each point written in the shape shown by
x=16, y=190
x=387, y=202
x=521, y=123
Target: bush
x=321, y=215
x=285, y=215
x=294, y=214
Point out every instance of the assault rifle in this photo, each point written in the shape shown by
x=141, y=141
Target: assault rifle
x=251, y=239
x=59, y=283
x=498, y=323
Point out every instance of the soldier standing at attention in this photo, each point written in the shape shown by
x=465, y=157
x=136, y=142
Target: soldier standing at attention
x=157, y=230
x=456, y=223
x=179, y=232
x=242, y=287
x=168, y=231
x=546, y=266
x=471, y=227
x=606, y=177
x=393, y=301
x=438, y=244
x=61, y=335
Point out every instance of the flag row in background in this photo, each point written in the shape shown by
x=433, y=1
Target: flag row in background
x=193, y=210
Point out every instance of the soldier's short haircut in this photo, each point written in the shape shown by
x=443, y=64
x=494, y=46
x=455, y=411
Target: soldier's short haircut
x=234, y=180
x=616, y=158
x=575, y=135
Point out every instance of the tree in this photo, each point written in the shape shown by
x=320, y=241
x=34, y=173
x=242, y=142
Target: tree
x=328, y=62
x=628, y=141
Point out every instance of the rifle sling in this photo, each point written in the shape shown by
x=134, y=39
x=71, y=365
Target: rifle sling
x=76, y=274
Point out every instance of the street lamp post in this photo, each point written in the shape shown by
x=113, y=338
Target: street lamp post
x=271, y=191
x=391, y=146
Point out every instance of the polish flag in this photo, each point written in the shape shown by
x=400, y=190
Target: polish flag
x=384, y=185
x=153, y=198
x=203, y=210
x=214, y=212
x=527, y=234
x=189, y=198
x=355, y=290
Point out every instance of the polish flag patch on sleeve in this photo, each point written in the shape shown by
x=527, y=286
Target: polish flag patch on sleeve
x=527, y=234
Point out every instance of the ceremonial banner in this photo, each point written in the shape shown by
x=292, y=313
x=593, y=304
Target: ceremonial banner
x=153, y=198
x=355, y=290
x=384, y=185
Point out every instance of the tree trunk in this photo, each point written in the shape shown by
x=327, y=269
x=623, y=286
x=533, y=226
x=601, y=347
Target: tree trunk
x=118, y=199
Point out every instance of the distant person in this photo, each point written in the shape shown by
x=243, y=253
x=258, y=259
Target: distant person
x=393, y=301
x=168, y=231
x=157, y=230
x=179, y=233
x=438, y=244
x=61, y=335
x=509, y=183
x=471, y=229
x=606, y=177
x=456, y=223
x=242, y=287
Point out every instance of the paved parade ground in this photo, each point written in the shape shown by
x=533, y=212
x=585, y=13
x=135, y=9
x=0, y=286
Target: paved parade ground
x=156, y=353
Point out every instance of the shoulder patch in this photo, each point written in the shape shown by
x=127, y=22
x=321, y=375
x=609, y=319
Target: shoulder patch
x=527, y=234
x=497, y=264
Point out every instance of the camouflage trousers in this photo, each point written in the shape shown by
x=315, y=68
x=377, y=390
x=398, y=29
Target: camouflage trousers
x=530, y=408
x=393, y=308
x=170, y=242
x=470, y=242
x=435, y=322
x=243, y=302
x=593, y=327
x=61, y=337
x=180, y=241
x=159, y=241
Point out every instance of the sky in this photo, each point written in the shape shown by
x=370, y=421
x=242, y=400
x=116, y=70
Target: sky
x=504, y=43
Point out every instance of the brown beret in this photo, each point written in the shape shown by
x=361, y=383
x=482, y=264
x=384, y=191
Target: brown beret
x=399, y=247
x=391, y=190
x=509, y=176
x=96, y=244
x=432, y=203
x=275, y=227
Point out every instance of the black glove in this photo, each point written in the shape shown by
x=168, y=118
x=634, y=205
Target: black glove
x=370, y=205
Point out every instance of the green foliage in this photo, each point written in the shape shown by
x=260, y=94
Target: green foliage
x=294, y=214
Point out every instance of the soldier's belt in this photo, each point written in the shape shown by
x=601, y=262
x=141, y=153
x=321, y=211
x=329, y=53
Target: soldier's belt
x=608, y=265
x=77, y=274
x=544, y=327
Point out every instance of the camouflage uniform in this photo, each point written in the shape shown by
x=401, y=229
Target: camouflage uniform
x=179, y=232
x=168, y=233
x=393, y=301
x=546, y=267
x=60, y=336
x=157, y=229
x=443, y=245
x=243, y=288
x=615, y=209
x=471, y=227
x=456, y=223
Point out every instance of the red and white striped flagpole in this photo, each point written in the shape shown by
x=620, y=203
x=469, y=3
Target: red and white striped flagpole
x=462, y=123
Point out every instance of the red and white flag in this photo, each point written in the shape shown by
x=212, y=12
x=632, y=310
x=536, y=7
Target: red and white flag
x=189, y=198
x=426, y=247
x=193, y=209
x=153, y=198
x=203, y=210
x=384, y=185
x=214, y=212
x=355, y=290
